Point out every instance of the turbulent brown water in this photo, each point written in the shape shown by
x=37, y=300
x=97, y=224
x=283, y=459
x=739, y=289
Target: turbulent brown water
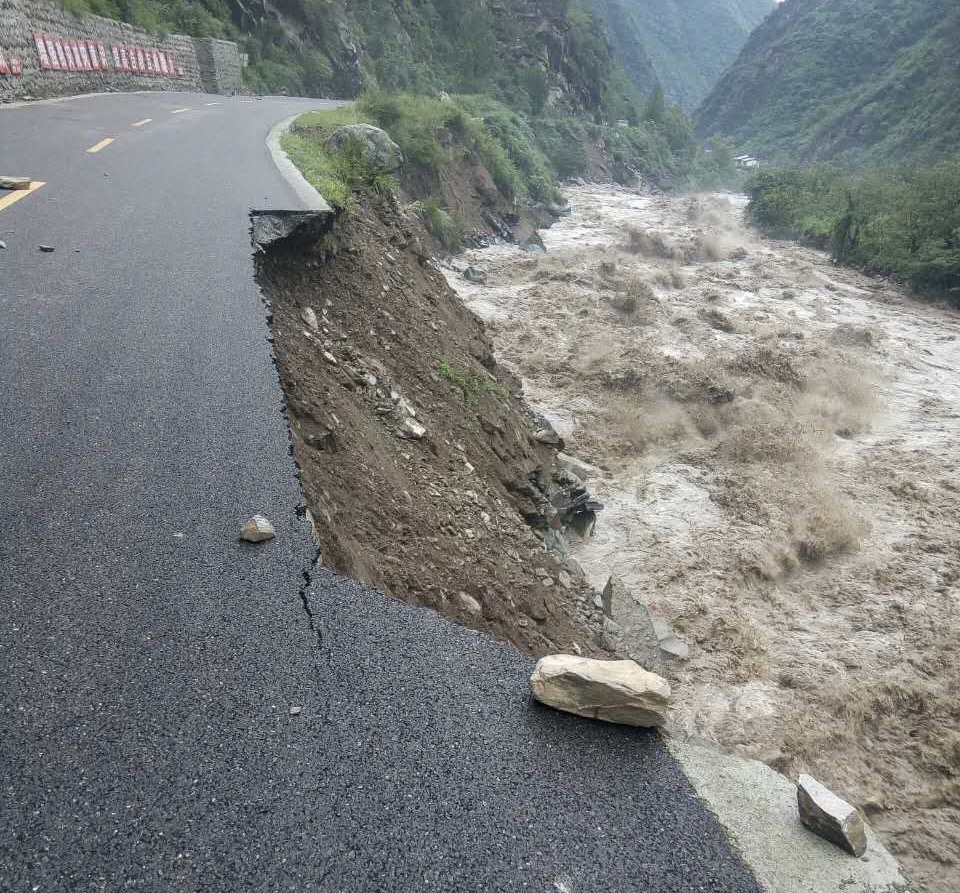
x=777, y=439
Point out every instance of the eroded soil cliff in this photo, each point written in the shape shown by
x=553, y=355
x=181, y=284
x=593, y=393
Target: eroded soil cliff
x=420, y=465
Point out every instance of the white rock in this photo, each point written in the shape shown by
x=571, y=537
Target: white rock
x=583, y=470
x=257, y=530
x=309, y=316
x=619, y=691
x=829, y=817
x=547, y=436
x=470, y=604
x=412, y=430
x=405, y=409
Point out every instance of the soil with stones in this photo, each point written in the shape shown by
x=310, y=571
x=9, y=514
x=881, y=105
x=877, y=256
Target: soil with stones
x=777, y=439
x=420, y=464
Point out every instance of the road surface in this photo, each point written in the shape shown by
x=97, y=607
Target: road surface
x=184, y=713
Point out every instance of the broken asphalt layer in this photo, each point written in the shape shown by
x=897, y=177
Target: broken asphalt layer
x=172, y=719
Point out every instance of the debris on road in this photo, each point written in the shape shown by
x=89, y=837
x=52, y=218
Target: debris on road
x=47, y=249
x=14, y=182
x=618, y=691
x=257, y=530
x=829, y=817
x=296, y=711
x=3, y=245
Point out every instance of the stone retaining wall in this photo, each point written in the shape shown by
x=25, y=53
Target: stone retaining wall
x=171, y=62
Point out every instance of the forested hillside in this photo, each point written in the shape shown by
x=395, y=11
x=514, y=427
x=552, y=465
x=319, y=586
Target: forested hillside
x=685, y=44
x=859, y=81
x=530, y=53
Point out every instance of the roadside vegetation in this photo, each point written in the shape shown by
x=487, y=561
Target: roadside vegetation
x=903, y=222
x=527, y=158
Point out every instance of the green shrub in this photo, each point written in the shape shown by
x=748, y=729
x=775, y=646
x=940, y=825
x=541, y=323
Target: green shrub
x=473, y=385
x=900, y=222
x=446, y=228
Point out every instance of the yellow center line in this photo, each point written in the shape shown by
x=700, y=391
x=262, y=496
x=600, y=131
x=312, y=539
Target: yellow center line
x=18, y=194
x=177, y=111
x=141, y=123
x=101, y=145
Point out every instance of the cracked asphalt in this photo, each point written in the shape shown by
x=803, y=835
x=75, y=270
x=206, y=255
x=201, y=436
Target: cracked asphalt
x=169, y=721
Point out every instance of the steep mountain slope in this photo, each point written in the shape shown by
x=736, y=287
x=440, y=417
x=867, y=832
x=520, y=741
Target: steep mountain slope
x=859, y=81
x=685, y=44
x=528, y=52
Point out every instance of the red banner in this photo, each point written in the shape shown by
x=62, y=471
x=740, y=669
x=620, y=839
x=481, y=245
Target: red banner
x=61, y=51
x=4, y=68
x=51, y=48
x=16, y=66
x=64, y=54
x=42, y=54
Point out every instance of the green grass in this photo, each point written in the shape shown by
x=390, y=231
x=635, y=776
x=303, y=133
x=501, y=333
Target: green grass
x=473, y=385
x=338, y=176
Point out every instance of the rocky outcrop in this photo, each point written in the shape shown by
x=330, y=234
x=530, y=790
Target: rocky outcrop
x=379, y=150
x=618, y=691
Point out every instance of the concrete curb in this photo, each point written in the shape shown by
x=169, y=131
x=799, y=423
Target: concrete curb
x=312, y=200
x=758, y=808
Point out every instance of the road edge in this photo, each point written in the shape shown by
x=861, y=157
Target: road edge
x=312, y=200
x=757, y=807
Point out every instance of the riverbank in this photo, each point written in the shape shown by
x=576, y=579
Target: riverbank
x=774, y=439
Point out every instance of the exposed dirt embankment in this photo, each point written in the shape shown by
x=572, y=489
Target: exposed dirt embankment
x=778, y=438
x=419, y=461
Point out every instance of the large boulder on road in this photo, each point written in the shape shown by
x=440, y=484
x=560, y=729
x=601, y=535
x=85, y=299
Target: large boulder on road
x=619, y=691
x=833, y=819
x=379, y=150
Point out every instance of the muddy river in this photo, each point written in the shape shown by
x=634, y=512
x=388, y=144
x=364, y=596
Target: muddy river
x=775, y=441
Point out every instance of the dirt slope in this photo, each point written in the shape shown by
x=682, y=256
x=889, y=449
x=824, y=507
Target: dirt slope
x=433, y=515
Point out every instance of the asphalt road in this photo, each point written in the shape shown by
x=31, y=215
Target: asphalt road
x=150, y=663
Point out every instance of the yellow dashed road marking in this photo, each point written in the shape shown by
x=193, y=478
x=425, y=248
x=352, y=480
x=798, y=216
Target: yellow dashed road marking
x=18, y=194
x=101, y=145
x=141, y=123
x=178, y=111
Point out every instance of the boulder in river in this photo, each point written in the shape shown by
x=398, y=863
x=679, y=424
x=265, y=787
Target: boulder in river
x=618, y=691
x=472, y=274
x=829, y=817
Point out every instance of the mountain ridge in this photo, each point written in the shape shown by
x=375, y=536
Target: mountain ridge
x=686, y=45
x=857, y=81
